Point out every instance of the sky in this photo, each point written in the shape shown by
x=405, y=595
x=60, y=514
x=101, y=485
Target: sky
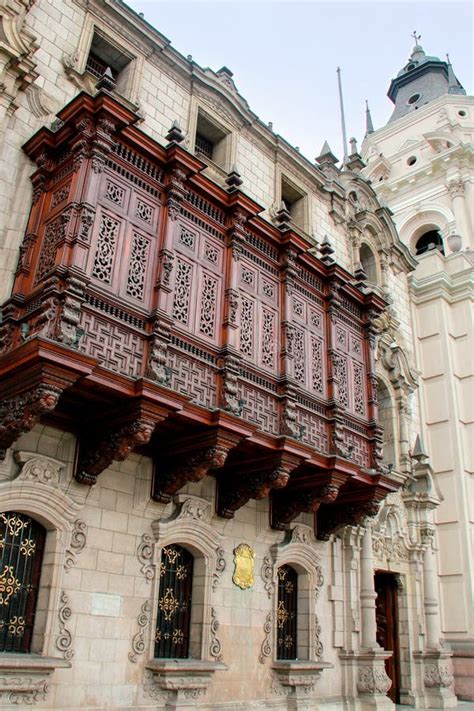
x=284, y=55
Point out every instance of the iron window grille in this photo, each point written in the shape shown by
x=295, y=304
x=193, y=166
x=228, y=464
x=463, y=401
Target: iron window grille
x=174, y=603
x=97, y=67
x=21, y=553
x=204, y=145
x=287, y=610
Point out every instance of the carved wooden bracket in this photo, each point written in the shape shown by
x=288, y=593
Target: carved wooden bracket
x=289, y=504
x=253, y=480
x=18, y=414
x=331, y=518
x=190, y=459
x=117, y=442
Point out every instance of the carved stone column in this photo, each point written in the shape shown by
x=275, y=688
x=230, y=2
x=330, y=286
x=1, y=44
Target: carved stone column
x=368, y=633
x=458, y=200
x=430, y=598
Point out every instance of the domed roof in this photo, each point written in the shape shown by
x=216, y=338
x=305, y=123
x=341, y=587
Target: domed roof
x=417, y=58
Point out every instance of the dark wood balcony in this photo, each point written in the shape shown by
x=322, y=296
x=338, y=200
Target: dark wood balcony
x=153, y=310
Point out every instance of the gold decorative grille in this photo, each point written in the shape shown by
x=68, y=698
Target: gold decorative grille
x=174, y=603
x=287, y=609
x=21, y=552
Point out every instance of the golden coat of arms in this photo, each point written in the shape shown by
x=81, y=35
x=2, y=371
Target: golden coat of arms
x=243, y=571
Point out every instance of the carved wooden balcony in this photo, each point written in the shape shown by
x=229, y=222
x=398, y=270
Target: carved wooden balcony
x=155, y=310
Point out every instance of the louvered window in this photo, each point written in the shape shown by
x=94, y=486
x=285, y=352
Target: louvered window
x=174, y=603
x=21, y=553
x=287, y=612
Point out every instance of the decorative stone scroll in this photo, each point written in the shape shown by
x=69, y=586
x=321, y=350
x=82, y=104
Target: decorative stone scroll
x=78, y=541
x=220, y=566
x=38, y=468
x=267, y=573
x=145, y=557
x=215, y=646
x=138, y=641
x=64, y=639
x=266, y=648
x=22, y=690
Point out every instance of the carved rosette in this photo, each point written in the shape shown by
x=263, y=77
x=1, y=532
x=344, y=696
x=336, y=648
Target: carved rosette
x=373, y=680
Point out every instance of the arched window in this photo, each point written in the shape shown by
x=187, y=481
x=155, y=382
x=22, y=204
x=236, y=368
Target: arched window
x=367, y=259
x=429, y=241
x=21, y=552
x=287, y=613
x=174, y=603
x=386, y=419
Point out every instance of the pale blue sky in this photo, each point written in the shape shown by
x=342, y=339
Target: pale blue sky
x=284, y=54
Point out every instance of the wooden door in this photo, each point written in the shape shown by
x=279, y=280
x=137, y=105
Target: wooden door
x=387, y=628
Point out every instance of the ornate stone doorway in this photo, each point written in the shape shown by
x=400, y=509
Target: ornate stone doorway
x=387, y=627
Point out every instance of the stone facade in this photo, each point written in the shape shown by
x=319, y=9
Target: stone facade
x=421, y=166
x=94, y=632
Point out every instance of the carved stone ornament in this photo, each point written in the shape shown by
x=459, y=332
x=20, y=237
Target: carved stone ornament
x=244, y=557
x=194, y=507
x=266, y=648
x=22, y=690
x=267, y=573
x=138, y=641
x=373, y=680
x=38, y=468
x=145, y=557
x=215, y=647
x=220, y=567
x=438, y=675
x=318, y=645
x=64, y=639
x=78, y=541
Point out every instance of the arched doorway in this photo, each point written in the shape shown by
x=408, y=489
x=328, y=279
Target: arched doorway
x=386, y=419
x=429, y=241
x=386, y=612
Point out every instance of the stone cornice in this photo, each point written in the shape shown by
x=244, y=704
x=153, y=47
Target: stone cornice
x=453, y=288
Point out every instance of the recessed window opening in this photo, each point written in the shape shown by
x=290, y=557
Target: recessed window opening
x=411, y=160
x=22, y=542
x=414, y=98
x=367, y=259
x=173, y=620
x=410, y=66
x=386, y=411
x=287, y=613
x=103, y=54
x=210, y=142
x=294, y=199
x=429, y=241
x=462, y=113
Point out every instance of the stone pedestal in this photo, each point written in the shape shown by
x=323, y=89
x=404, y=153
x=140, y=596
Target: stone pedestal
x=181, y=681
x=435, y=668
x=296, y=680
x=373, y=682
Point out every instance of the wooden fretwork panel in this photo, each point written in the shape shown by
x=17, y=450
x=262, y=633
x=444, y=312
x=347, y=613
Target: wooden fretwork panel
x=197, y=281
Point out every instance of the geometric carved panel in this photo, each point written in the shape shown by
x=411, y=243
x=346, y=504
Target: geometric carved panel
x=315, y=430
x=192, y=378
x=360, y=453
x=120, y=349
x=259, y=408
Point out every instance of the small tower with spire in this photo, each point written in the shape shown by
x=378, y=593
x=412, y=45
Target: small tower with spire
x=422, y=79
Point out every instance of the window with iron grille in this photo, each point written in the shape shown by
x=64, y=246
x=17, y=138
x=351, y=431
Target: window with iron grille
x=174, y=603
x=21, y=553
x=204, y=145
x=287, y=612
x=97, y=67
